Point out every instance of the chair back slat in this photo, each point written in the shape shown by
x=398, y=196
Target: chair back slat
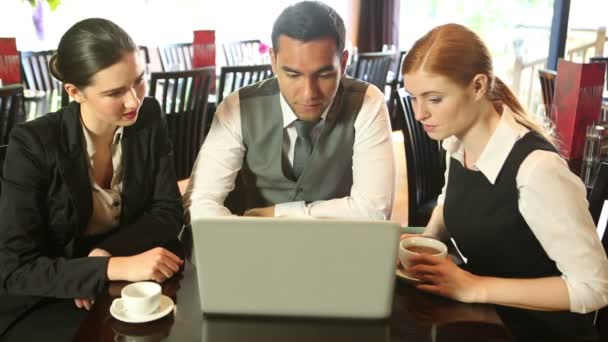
x=2, y=158
x=243, y=52
x=176, y=57
x=233, y=78
x=183, y=96
x=372, y=67
x=35, y=70
x=37, y=75
x=425, y=162
x=547, y=86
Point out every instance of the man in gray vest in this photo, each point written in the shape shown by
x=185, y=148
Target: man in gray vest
x=308, y=142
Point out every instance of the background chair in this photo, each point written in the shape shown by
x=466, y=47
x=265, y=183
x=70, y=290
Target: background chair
x=183, y=96
x=2, y=157
x=12, y=109
x=547, y=85
x=600, y=59
x=37, y=75
x=372, y=67
x=394, y=107
x=176, y=57
x=35, y=70
x=425, y=162
x=235, y=77
x=143, y=50
x=243, y=52
x=596, y=198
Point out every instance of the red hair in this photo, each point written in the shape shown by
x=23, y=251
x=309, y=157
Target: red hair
x=457, y=53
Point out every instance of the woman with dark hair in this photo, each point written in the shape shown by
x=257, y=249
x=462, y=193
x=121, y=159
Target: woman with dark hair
x=514, y=209
x=89, y=193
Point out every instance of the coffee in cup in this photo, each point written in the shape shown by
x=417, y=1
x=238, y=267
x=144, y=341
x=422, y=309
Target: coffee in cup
x=417, y=245
x=141, y=298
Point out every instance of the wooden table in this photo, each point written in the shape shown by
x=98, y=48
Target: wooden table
x=416, y=317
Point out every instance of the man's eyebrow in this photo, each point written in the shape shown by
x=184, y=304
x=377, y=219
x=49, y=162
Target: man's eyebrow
x=321, y=70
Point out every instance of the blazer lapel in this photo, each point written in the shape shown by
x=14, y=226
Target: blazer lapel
x=74, y=167
x=134, y=155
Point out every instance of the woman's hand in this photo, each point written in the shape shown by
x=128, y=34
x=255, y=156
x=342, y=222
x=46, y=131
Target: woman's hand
x=84, y=303
x=157, y=264
x=407, y=235
x=260, y=212
x=442, y=277
x=98, y=252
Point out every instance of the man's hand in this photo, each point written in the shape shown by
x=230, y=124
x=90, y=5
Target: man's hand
x=260, y=212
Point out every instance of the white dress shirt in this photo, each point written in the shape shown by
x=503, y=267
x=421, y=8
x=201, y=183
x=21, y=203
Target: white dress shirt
x=553, y=202
x=221, y=157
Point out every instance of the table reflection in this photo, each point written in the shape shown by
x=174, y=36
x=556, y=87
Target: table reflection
x=241, y=329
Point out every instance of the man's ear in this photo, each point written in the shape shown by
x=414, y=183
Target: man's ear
x=343, y=61
x=74, y=92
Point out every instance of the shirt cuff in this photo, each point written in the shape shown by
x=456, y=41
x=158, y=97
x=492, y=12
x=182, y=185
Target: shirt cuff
x=291, y=209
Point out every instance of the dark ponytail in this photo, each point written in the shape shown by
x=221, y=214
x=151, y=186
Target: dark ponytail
x=87, y=47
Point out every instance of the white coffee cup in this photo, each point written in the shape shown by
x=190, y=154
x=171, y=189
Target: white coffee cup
x=417, y=245
x=141, y=298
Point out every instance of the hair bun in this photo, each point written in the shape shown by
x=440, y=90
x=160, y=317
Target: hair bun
x=54, y=67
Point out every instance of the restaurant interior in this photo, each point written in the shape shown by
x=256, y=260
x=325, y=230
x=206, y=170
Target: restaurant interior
x=198, y=52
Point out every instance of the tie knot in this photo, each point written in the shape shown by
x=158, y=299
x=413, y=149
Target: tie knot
x=304, y=128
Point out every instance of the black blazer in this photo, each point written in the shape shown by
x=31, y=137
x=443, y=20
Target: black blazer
x=46, y=202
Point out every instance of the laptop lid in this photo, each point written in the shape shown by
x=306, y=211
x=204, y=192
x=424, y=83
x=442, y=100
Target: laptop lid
x=295, y=267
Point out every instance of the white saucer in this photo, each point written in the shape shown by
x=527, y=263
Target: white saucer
x=402, y=274
x=119, y=312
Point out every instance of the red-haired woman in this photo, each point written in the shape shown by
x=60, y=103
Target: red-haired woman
x=515, y=210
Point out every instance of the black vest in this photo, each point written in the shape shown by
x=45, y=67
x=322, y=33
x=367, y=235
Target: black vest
x=491, y=233
x=485, y=221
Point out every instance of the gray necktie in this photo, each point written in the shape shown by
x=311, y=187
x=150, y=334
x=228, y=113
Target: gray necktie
x=303, y=146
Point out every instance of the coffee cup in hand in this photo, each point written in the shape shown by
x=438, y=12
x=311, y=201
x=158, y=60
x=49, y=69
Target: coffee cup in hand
x=417, y=245
x=141, y=298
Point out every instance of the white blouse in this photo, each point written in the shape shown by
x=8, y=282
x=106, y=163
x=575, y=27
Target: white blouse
x=106, y=202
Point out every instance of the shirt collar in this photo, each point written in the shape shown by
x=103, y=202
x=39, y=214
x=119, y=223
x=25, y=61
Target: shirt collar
x=89, y=141
x=494, y=155
x=289, y=117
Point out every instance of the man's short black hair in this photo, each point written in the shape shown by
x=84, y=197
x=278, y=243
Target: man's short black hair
x=309, y=20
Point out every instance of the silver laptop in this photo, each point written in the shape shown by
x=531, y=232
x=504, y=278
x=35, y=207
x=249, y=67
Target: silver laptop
x=295, y=267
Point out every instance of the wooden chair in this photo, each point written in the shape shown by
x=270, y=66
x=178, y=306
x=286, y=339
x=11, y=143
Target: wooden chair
x=35, y=70
x=37, y=75
x=547, y=85
x=235, y=77
x=183, y=96
x=12, y=109
x=601, y=60
x=425, y=162
x=372, y=67
x=596, y=198
x=394, y=107
x=143, y=50
x=2, y=157
x=176, y=57
x=242, y=52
